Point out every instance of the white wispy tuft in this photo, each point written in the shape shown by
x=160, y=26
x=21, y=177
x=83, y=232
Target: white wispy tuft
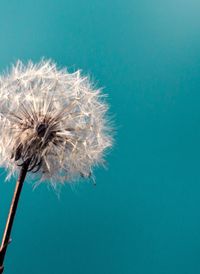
x=54, y=119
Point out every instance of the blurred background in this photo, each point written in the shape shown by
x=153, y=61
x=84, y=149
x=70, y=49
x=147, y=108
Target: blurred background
x=143, y=216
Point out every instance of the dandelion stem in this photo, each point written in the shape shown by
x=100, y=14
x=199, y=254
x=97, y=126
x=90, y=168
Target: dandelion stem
x=13, y=207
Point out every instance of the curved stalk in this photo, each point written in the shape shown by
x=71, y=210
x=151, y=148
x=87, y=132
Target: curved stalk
x=11, y=215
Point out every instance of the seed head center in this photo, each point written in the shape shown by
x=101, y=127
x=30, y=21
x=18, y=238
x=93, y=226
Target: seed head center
x=41, y=129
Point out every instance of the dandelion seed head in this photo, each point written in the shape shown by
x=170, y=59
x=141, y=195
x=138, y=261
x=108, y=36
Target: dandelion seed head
x=54, y=119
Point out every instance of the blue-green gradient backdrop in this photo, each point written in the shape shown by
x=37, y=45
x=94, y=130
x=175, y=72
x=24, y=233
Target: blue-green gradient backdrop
x=143, y=217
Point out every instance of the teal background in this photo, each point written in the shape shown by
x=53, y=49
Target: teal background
x=143, y=217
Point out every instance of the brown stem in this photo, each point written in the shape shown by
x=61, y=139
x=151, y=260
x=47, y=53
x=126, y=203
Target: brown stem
x=11, y=215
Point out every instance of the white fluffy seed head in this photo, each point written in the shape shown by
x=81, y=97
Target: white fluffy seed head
x=53, y=118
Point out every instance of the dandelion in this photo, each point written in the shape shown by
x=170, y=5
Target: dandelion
x=53, y=125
